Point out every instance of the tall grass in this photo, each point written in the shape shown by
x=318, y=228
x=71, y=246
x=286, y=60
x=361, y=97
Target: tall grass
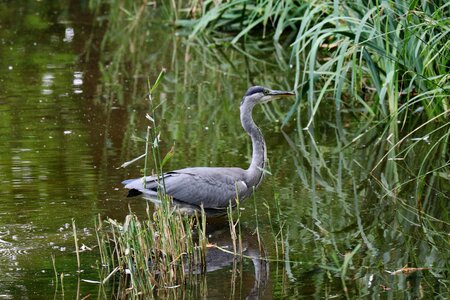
x=381, y=63
x=159, y=252
x=386, y=60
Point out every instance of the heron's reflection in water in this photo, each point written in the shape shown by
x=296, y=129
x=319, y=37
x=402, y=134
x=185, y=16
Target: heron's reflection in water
x=248, y=281
x=230, y=270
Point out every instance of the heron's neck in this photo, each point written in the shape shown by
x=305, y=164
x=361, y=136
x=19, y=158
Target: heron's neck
x=255, y=171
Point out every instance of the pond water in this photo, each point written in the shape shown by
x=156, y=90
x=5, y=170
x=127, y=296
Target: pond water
x=72, y=97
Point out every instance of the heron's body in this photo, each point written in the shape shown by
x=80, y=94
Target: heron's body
x=196, y=186
x=214, y=188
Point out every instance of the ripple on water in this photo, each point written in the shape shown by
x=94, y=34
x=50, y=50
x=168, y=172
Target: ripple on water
x=11, y=244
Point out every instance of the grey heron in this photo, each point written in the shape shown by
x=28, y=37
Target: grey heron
x=215, y=187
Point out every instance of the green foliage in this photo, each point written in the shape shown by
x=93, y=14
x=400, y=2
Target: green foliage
x=153, y=253
x=383, y=63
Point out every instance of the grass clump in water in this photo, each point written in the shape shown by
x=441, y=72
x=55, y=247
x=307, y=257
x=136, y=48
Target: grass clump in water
x=161, y=250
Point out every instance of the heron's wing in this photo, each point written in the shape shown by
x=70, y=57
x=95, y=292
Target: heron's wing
x=212, y=187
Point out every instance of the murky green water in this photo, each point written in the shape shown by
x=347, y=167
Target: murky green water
x=68, y=110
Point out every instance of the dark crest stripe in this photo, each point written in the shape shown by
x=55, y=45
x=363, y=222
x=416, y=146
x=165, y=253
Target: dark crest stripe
x=254, y=90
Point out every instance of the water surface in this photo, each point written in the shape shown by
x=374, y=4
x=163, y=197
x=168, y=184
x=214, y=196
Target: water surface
x=70, y=104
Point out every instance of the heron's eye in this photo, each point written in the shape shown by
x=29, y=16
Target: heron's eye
x=266, y=92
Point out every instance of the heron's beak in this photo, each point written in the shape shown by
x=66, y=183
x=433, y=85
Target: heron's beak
x=275, y=93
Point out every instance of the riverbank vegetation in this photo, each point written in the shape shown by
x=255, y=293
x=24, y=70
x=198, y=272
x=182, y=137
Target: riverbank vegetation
x=382, y=64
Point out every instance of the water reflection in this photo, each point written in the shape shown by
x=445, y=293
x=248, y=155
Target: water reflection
x=223, y=255
x=249, y=281
x=77, y=82
x=69, y=34
x=47, y=82
x=46, y=173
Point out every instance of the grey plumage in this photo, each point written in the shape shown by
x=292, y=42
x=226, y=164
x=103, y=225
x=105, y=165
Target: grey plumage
x=214, y=188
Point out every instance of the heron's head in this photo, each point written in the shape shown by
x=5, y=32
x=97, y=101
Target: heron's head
x=259, y=94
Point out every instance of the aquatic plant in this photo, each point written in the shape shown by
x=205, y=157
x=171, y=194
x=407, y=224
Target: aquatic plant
x=159, y=251
x=153, y=253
